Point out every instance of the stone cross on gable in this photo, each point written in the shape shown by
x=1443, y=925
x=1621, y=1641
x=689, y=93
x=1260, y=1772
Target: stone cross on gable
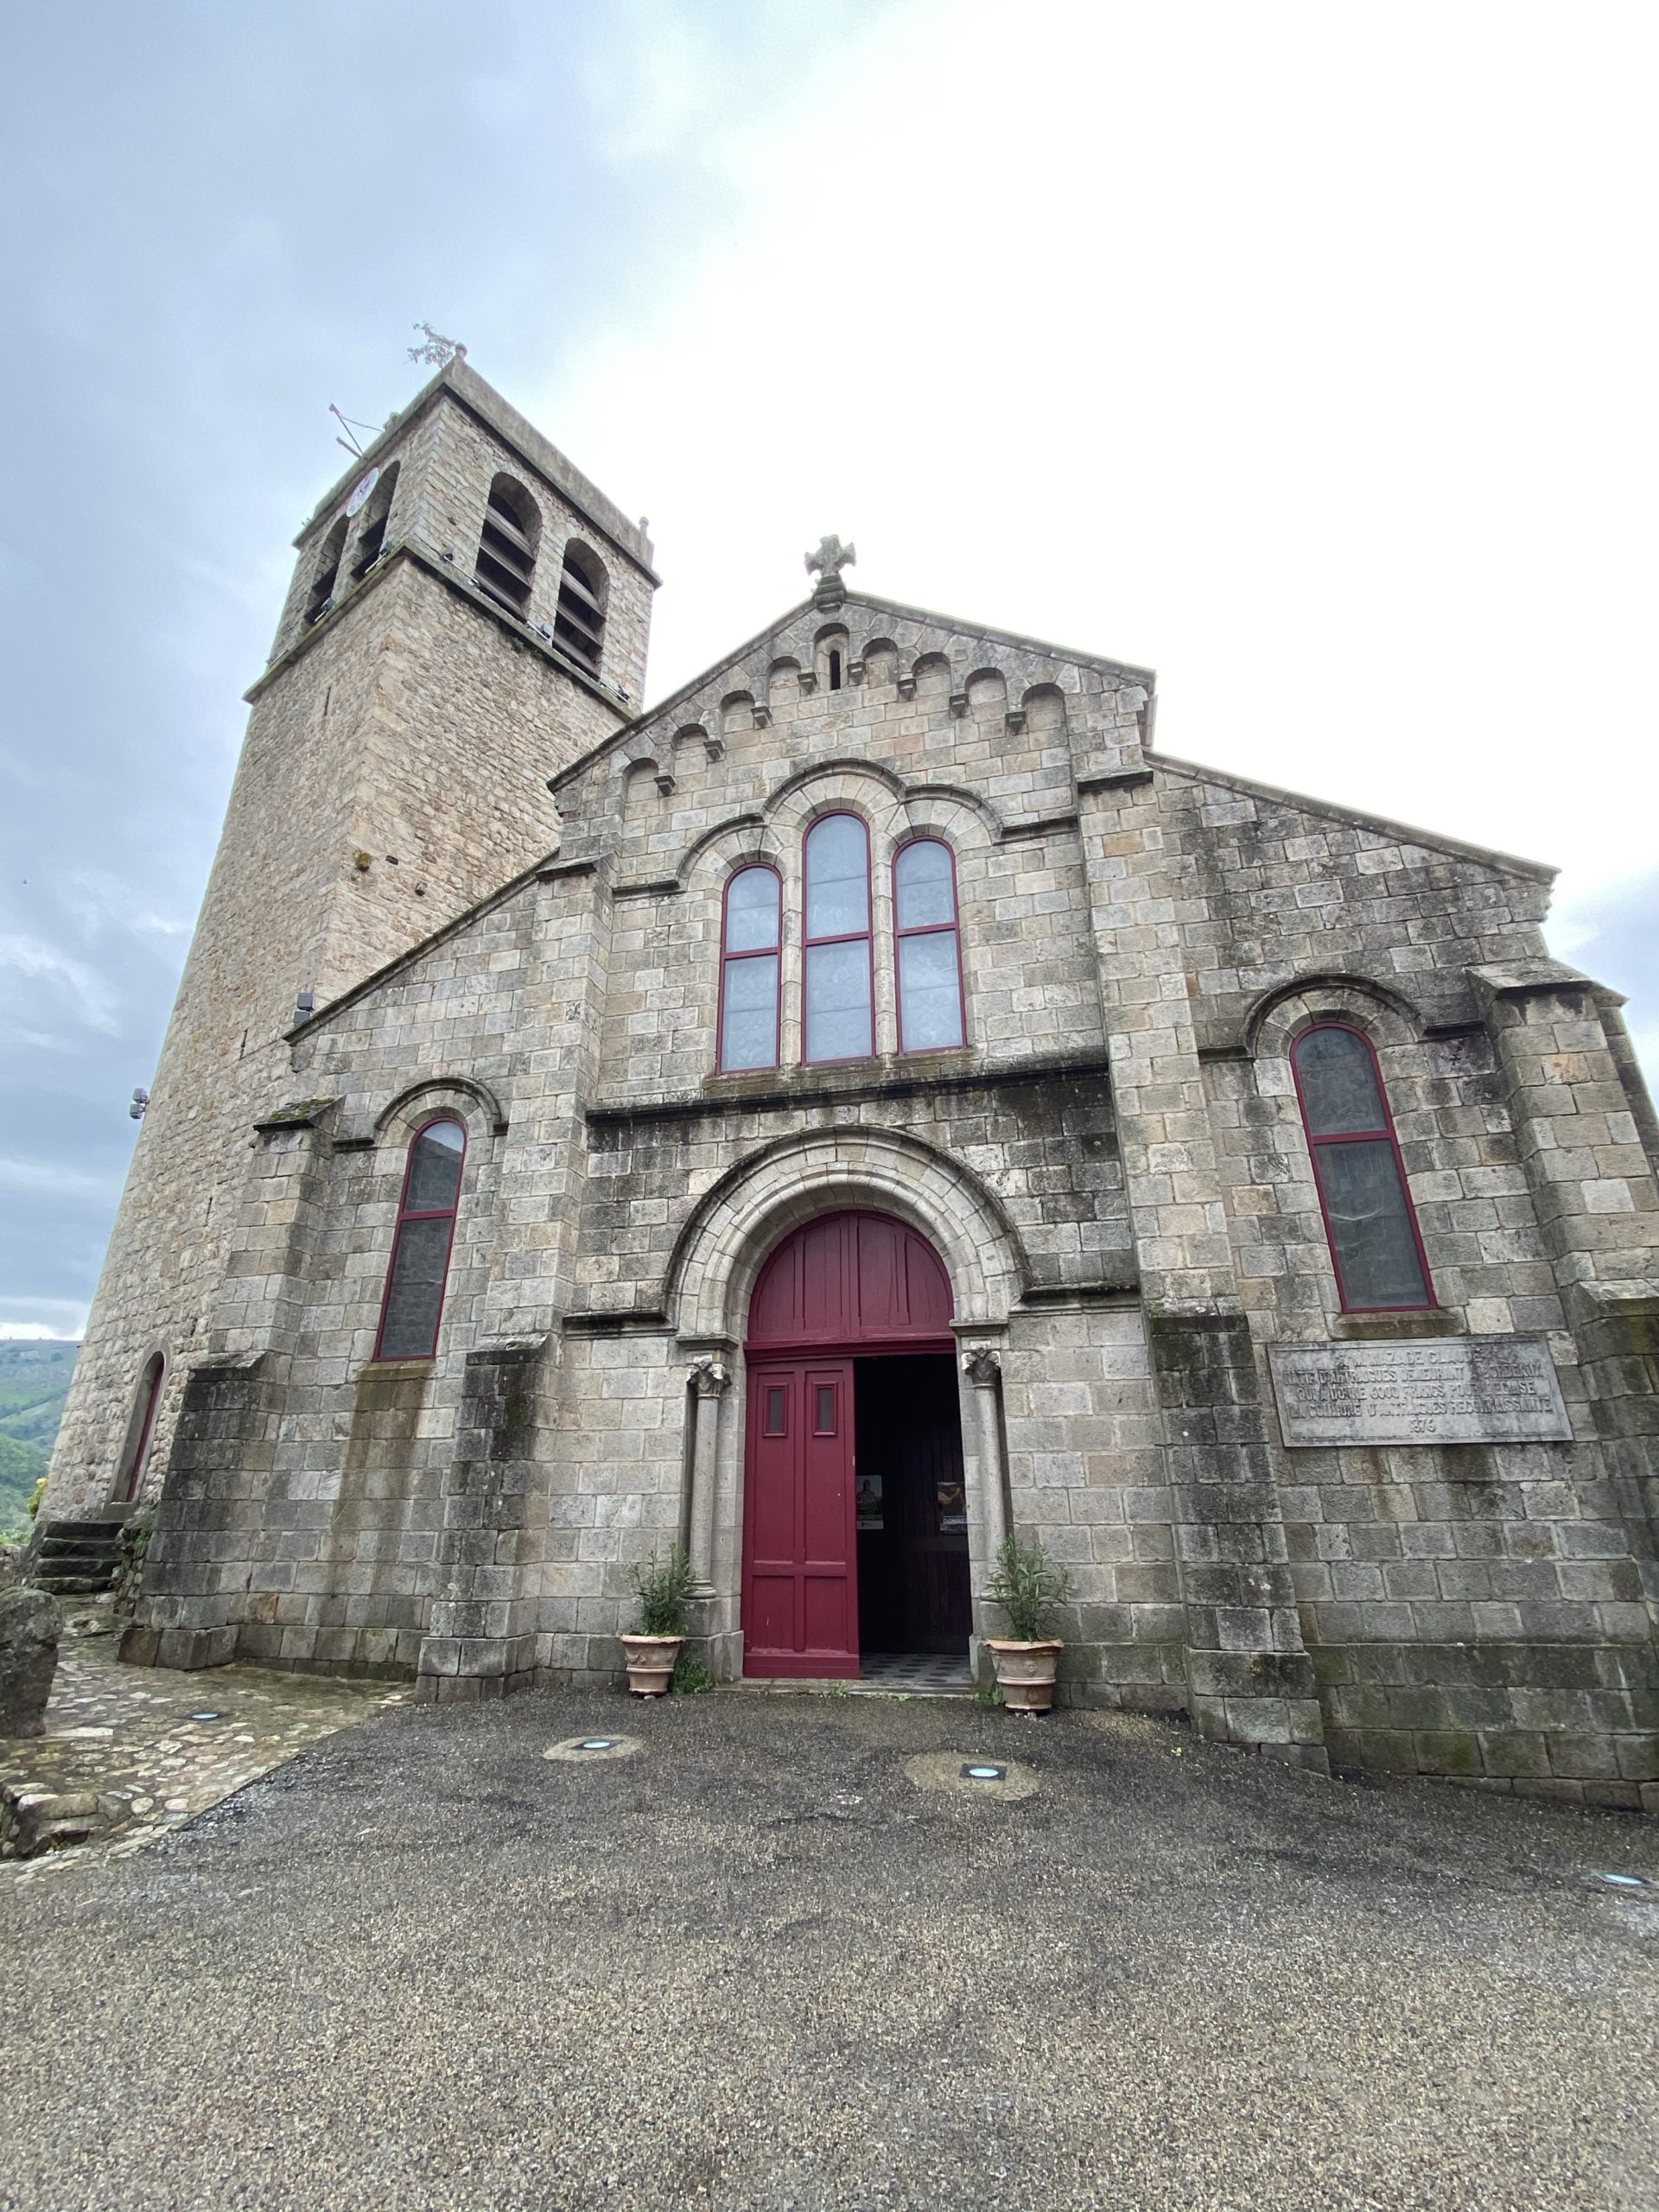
x=827, y=563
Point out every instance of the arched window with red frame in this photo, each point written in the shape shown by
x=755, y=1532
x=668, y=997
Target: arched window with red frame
x=149, y=1402
x=419, y=1252
x=927, y=947
x=837, y=975
x=1375, y=1246
x=750, y=944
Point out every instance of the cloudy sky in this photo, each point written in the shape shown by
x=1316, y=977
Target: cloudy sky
x=1305, y=353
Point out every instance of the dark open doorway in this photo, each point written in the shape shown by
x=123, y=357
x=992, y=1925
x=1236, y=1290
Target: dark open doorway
x=912, y=1508
x=850, y=1349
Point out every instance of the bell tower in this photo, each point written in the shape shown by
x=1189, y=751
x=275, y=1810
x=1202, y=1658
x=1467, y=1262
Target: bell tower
x=467, y=614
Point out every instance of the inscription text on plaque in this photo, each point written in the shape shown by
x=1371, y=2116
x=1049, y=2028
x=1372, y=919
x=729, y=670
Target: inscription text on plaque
x=1442, y=1390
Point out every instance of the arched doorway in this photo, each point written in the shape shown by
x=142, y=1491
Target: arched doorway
x=855, y=1522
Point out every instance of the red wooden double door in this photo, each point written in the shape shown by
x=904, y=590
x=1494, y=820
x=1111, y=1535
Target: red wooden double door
x=844, y=1288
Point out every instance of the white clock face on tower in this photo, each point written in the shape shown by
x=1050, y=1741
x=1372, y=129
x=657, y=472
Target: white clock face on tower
x=362, y=492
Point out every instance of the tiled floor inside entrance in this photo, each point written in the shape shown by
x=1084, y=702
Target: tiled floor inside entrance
x=922, y=1674
x=880, y=1674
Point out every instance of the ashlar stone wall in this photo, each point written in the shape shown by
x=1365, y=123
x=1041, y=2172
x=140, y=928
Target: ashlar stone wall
x=395, y=770
x=1113, y=1169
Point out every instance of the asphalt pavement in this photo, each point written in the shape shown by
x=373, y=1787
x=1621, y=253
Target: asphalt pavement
x=781, y=1954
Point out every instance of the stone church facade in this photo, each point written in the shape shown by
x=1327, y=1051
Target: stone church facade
x=872, y=1102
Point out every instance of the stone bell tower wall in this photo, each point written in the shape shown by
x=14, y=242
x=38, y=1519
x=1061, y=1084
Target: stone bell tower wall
x=394, y=771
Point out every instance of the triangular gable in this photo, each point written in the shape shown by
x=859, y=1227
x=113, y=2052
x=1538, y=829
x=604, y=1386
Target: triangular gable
x=918, y=633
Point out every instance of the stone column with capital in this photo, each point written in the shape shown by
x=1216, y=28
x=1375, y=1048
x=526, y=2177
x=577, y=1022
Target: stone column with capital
x=984, y=1370
x=710, y=1378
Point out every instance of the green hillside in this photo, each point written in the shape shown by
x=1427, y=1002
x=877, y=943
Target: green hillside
x=34, y=1382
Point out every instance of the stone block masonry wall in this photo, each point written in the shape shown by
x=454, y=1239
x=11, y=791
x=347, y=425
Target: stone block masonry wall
x=1249, y=1677
x=1113, y=1168
x=405, y=1522
x=1087, y=1474
x=481, y=1633
x=395, y=770
x=1044, y=1137
x=516, y=1005
x=618, y=1491
x=1472, y=1610
x=224, y=1452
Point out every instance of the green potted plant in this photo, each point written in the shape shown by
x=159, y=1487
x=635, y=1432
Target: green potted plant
x=1029, y=1587
x=661, y=1586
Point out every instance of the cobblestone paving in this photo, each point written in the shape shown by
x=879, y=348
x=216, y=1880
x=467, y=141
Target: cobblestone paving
x=156, y=1747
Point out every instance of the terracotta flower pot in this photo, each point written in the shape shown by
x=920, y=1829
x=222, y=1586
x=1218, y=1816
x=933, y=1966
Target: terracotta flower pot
x=650, y=1663
x=1025, y=1672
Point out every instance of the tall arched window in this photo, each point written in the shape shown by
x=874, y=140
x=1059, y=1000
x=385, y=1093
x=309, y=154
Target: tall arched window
x=927, y=950
x=748, y=970
x=837, y=977
x=506, y=551
x=420, y=1250
x=1375, y=1244
x=322, y=584
x=149, y=1401
x=579, y=625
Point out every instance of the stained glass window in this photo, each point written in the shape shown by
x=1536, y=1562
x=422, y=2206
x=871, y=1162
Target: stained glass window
x=748, y=970
x=420, y=1250
x=838, y=1019
x=927, y=950
x=1375, y=1245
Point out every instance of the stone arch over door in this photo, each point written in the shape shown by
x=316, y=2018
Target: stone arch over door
x=721, y=1251
x=711, y=1278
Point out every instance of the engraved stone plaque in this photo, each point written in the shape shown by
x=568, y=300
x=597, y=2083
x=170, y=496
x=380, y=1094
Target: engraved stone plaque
x=1433, y=1391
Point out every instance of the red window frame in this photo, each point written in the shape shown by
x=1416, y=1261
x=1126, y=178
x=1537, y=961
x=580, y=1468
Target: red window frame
x=953, y=927
x=1385, y=1132
x=867, y=936
x=406, y=1213
x=774, y=951
x=157, y=1366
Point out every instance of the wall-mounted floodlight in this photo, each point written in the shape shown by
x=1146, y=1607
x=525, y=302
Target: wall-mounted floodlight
x=140, y=1100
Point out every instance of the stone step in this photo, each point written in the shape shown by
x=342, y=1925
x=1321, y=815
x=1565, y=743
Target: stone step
x=74, y=1586
x=89, y=1547
x=105, y=1531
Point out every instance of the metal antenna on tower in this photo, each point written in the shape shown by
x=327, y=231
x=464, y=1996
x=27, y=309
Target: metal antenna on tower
x=349, y=425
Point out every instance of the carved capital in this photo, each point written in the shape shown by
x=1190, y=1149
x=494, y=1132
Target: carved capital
x=982, y=1367
x=709, y=1377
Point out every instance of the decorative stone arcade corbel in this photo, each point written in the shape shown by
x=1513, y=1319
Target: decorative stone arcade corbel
x=709, y=1378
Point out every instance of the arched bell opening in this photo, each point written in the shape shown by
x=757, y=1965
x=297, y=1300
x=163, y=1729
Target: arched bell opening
x=855, y=1520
